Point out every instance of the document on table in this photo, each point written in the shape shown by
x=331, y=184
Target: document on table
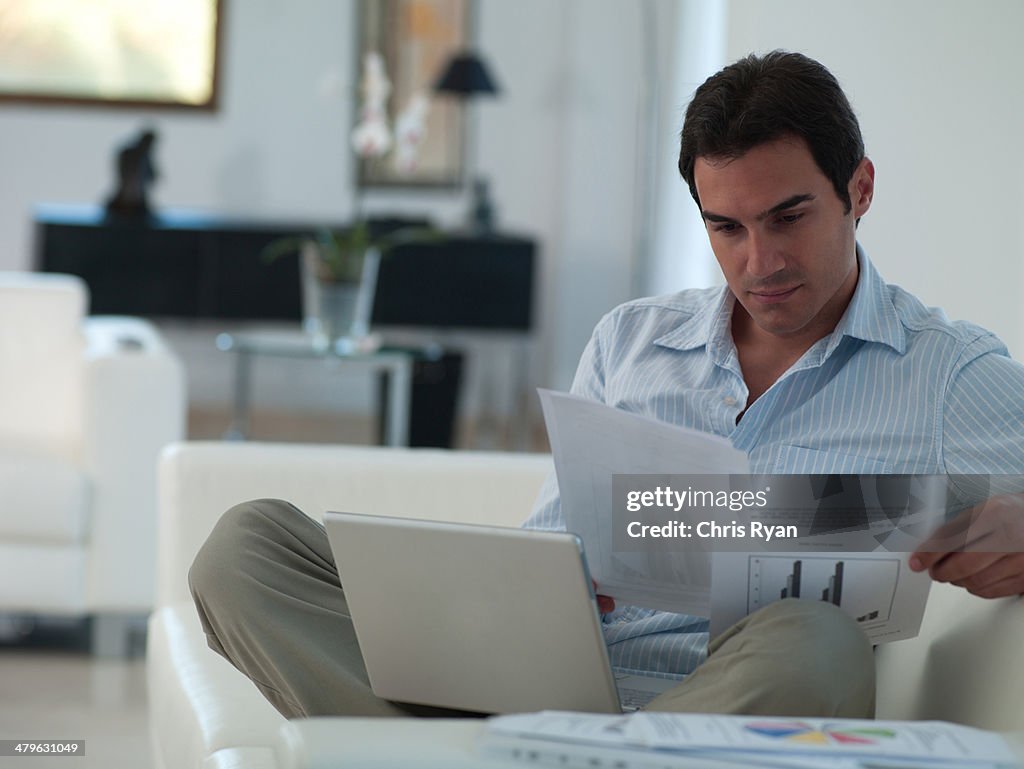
x=648, y=739
x=592, y=442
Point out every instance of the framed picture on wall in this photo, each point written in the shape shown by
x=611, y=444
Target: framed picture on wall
x=416, y=38
x=143, y=53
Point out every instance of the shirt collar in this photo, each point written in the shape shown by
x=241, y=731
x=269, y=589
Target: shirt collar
x=709, y=325
x=870, y=316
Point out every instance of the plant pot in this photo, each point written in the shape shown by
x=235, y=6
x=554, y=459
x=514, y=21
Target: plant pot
x=337, y=313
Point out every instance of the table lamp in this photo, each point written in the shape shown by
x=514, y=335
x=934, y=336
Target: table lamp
x=466, y=76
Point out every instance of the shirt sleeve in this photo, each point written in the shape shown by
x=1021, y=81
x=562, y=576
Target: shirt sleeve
x=588, y=383
x=983, y=421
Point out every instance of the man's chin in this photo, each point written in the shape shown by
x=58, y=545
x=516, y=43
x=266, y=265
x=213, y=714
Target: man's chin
x=782, y=325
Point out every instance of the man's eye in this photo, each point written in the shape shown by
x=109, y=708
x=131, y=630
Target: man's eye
x=726, y=228
x=790, y=218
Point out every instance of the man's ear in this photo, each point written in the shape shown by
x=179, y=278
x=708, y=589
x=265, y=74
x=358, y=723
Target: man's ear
x=862, y=188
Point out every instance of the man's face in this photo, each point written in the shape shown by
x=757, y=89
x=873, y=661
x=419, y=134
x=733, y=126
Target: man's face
x=782, y=238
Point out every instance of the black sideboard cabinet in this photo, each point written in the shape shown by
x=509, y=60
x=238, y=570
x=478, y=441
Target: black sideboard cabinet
x=186, y=265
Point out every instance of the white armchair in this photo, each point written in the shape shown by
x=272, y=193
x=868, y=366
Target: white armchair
x=85, y=406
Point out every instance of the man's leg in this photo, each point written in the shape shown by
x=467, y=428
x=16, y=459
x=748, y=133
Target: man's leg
x=271, y=603
x=791, y=658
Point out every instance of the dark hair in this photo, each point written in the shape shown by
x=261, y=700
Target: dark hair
x=760, y=99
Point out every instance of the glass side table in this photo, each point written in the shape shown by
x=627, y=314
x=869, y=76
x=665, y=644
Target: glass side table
x=395, y=363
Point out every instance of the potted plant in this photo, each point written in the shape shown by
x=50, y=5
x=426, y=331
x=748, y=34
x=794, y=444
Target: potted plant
x=338, y=273
x=339, y=268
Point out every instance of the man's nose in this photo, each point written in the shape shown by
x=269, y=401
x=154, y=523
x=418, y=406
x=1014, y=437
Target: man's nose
x=764, y=259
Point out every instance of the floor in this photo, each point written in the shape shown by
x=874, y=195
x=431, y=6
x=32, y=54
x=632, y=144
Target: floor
x=51, y=689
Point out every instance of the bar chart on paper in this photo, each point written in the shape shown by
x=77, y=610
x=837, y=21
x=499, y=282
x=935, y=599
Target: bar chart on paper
x=864, y=587
x=876, y=589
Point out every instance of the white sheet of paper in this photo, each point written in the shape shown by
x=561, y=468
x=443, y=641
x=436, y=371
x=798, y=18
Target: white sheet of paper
x=591, y=442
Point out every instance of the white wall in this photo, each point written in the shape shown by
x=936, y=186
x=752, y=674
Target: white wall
x=937, y=88
x=558, y=146
x=563, y=145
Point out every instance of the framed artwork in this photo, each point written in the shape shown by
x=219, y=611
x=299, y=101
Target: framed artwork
x=143, y=53
x=416, y=39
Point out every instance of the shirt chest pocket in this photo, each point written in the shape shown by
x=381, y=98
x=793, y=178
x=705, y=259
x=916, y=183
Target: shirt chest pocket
x=787, y=460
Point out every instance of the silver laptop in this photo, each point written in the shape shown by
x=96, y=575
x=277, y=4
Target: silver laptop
x=480, y=618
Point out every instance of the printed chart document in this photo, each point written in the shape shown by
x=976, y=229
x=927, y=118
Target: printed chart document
x=669, y=740
x=878, y=590
x=592, y=442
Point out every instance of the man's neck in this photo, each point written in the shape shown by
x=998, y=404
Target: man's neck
x=746, y=335
x=763, y=357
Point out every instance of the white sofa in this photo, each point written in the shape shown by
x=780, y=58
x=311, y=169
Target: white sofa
x=964, y=667
x=86, y=404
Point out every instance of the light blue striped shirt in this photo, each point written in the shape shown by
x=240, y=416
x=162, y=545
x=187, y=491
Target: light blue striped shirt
x=895, y=388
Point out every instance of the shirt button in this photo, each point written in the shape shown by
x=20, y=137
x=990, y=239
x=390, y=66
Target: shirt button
x=728, y=400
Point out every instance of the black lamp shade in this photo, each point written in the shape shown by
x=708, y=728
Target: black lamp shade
x=466, y=75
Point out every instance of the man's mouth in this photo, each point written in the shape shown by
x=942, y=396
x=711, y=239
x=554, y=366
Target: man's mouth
x=773, y=295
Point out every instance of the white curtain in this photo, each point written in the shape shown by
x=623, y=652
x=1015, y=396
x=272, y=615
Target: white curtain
x=676, y=255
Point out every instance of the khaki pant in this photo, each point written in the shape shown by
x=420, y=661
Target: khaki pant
x=270, y=602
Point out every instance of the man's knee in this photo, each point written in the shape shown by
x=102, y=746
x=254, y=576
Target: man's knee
x=823, y=656
x=226, y=556
x=818, y=623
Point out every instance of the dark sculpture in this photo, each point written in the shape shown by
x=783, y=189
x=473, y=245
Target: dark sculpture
x=135, y=172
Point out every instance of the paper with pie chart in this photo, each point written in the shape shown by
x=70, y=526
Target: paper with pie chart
x=588, y=739
x=805, y=733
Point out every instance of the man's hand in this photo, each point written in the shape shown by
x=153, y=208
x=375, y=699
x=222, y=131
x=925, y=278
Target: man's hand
x=605, y=604
x=981, y=550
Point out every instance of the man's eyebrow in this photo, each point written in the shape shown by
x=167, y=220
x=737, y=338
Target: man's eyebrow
x=790, y=202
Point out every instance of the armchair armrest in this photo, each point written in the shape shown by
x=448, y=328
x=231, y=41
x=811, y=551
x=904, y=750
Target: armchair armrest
x=382, y=743
x=199, y=481
x=964, y=666
x=133, y=404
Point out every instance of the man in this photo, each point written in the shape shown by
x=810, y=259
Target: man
x=807, y=360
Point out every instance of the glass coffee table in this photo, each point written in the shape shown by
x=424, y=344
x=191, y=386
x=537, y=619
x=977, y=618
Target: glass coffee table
x=395, y=363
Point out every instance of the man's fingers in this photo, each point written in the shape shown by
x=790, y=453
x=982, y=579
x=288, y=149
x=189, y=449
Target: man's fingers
x=605, y=605
x=920, y=560
x=951, y=536
x=981, y=550
x=946, y=539
x=995, y=526
x=1005, y=567
x=1012, y=586
x=957, y=567
x=987, y=575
